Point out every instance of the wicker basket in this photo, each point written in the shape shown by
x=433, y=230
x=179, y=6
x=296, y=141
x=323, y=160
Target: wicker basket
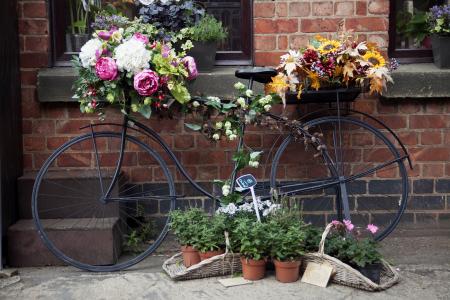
x=346, y=275
x=220, y=265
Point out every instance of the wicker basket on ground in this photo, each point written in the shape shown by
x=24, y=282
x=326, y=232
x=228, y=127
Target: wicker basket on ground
x=346, y=275
x=220, y=265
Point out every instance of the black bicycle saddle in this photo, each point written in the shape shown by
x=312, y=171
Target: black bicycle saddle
x=259, y=74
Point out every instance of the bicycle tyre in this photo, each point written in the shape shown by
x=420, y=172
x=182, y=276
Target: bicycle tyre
x=55, y=163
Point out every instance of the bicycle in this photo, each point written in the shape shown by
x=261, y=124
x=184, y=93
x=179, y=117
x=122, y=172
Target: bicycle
x=119, y=181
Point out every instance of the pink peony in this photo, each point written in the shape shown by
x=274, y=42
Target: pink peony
x=141, y=38
x=372, y=228
x=106, y=68
x=191, y=66
x=146, y=82
x=348, y=224
x=104, y=35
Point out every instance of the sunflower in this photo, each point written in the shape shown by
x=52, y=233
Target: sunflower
x=328, y=46
x=375, y=58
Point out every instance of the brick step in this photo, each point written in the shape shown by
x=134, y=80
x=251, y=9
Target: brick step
x=102, y=241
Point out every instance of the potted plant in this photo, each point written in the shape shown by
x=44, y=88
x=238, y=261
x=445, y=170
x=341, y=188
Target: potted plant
x=347, y=244
x=186, y=226
x=209, y=240
x=439, y=24
x=78, y=33
x=205, y=35
x=254, y=246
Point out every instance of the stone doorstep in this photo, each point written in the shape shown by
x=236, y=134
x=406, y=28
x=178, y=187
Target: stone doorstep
x=26, y=249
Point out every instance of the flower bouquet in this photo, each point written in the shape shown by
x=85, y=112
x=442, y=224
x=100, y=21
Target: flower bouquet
x=331, y=64
x=439, y=27
x=130, y=67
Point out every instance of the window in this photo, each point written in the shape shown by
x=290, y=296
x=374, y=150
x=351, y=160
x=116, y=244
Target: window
x=408, y=39
x=236, y=15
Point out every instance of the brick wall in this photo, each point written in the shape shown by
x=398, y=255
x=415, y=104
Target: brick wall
x=422, y=125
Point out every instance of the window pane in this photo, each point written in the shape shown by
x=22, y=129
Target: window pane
x=410, y=23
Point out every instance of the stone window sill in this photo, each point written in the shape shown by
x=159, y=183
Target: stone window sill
x=55, y=84
x=419, y=81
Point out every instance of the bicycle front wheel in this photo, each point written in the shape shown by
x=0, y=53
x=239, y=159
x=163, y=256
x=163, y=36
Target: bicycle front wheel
x=360, y=171
x=85, y=229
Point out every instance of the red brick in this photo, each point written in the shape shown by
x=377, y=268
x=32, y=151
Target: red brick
x=37, y=43
x=299, y=9
x=203, y=157
x=54, y=110
x=410, y=108
x=322, y=8
x=28, y=76
x=379, y=7
x=394, y=122
x=298, y=41
x=276, y=26
x=22, y=43
x=344, y=8
x=387, y=108
x=409, y=137
x=253, y=140
x=361, y=8
x=415, y=171
x=30, y=107
x=319, y=25
x=70, y=126
x=281, y=9
x=27, y=161
x=431, y=138
x=433, y=170
x=264, y=10
x=33, y=60
x=45, y=127
x=265, y=42
x=32, y=143
x=141, y=175
x=431, y=154
x=282, y=42
x=428, y=121
x=32, y=26
x=267, y=58
x=387, y=173
x=55, y=142
x=367, y=24
x=34, y=10
x=74, y=160
x=27, y=127
x=184, y=141
x=434, y=107
x=365, y=106
x=207, y=172
x=382, y=40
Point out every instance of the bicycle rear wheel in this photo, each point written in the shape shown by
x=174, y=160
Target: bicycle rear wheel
x=82, y=227
x=361, y=169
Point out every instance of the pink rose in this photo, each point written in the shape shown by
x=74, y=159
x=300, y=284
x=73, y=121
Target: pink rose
x=372, y=228
x=141, y=38
x=146, y=82
x=106, y=68
x=191, y=66
x=348, y=224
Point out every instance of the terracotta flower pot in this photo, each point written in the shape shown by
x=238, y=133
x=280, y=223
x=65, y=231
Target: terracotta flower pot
x=190, y=256
x=253, y=269
x=287, y=271
x=209, y=254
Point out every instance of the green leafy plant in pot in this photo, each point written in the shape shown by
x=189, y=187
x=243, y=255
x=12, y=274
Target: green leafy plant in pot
x=186, y=226
x=210, y=240
x=439, y=25
x=287, y=237
x=205, y=36
x=347, y=244
x=80, y=12
x=254, y=246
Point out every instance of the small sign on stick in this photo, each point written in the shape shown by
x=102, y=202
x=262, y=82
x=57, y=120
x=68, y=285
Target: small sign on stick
x=248, y=181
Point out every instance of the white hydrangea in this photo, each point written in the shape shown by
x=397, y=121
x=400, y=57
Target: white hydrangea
x=232, y=137
x=213, y=99
x=267, y=107
x=248, y=93
x=239, y=86
x=132, y=56
x=241, y=102
x=216, y=136
x=253, y=164
x=219, y=125
x=227, y=125
x=226, y=190
x=195, y=104
x=89, y=52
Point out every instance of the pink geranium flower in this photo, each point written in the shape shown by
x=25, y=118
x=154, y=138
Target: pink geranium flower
x=372, y=228
x=106, y=68
x=146, y=82
x=348, y=224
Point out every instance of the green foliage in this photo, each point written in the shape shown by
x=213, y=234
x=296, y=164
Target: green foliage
x=187, y=224
x=210, y=235
x=208, y=29
x=312, y=238
x=353, y=251
x=252, y=238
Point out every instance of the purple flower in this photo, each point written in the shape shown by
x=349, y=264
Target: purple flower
x=348, y=224
x=165, y=51
x=146, y=82
x=191, y=66
x=104, y=35
x=141, y=38
x=106, y=68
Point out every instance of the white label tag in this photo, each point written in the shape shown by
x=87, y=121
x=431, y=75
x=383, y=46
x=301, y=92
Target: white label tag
x=317, y=274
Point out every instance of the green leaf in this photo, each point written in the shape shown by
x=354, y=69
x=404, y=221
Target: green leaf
x=180, y=92
x=194, y=127
x=145, y=110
